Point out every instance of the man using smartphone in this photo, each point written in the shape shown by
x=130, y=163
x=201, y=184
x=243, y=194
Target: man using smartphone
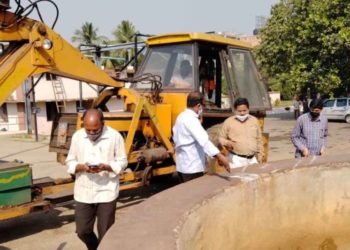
x=96, y=157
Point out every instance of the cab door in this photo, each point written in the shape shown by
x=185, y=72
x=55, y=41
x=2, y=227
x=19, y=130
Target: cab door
x=246, y=81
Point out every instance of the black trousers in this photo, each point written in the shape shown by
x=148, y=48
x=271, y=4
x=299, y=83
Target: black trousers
x=85, y=216
x=187, y=177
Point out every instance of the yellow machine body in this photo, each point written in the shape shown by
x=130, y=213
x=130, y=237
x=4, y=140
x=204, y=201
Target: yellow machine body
x=149, y=113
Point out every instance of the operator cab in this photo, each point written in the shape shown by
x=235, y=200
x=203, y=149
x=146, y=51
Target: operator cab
x=220, y=68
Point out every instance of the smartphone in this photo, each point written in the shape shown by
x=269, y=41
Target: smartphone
x=93, y=166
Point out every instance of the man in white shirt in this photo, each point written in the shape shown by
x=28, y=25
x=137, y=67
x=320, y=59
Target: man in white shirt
x=96, y=157
x=192, y=141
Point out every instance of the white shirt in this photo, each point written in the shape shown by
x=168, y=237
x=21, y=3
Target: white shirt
x=108, y=149
x=191, y=143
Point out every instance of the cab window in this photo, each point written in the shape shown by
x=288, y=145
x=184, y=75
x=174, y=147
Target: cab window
x=173, y=63
x=247, y=79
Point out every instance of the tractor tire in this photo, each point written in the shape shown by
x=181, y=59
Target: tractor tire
x=213, y=133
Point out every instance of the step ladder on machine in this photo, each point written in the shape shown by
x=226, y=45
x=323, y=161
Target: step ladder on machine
x=59, y=93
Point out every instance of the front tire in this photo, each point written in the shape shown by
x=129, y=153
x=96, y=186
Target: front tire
x=347, y=119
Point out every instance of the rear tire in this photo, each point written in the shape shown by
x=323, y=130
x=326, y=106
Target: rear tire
x=347, y=119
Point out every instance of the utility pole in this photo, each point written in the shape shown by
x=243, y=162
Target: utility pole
x=135, y=50
x=27, y=107
x=80, y=96
x=34, y=111
x=98, y=63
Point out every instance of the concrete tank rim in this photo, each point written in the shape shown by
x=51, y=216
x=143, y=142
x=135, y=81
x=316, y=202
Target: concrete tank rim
x=155, y=223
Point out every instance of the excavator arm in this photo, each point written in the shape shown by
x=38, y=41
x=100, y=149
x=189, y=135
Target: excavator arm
x=33, y=48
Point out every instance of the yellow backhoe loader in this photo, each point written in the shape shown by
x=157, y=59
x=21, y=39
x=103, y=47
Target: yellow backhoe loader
x=221, y=68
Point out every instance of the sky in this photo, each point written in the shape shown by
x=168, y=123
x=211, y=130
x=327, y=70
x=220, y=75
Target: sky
x=157, y=16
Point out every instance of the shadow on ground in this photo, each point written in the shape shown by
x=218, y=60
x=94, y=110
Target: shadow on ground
x=32, y=224
x=132, y=197
x=37, y=222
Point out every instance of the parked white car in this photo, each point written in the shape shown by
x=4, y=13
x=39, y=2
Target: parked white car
x=337, y=109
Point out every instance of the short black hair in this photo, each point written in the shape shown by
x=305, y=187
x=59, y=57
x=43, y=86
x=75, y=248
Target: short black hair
x=194, y=98
x=241, y=101
x=316, y=104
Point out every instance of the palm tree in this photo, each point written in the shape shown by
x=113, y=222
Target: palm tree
x=88, y=35
x=124, y=33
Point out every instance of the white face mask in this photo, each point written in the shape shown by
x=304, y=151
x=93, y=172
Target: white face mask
x=94, y=137
x=200, y=111
x=242, y=118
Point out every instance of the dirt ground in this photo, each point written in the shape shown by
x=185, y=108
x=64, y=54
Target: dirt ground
x=55, y=230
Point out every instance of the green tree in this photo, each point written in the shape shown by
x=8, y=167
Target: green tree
x=124, y=33
x=306, y=44
x=88, y=35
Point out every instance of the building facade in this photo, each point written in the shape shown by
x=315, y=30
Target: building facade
x=12, y=112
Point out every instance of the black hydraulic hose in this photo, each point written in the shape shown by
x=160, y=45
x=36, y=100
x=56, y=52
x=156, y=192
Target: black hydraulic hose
x=19, y=7
x=38, y=11
x=33, y=4
x=20, y=10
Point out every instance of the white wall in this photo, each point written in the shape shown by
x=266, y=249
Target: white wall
x=115, y=104
x=44, y=90
x=44, y=126
x=274, y=96
x=44, y=93
x=12, y=124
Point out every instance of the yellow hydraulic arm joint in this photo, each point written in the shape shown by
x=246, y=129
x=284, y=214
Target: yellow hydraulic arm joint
x=142, y=104
x=39, y=50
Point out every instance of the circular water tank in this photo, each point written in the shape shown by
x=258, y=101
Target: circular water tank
x=285, y=205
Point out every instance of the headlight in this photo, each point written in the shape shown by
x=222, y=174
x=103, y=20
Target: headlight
x=2, y=49
x=47, y=44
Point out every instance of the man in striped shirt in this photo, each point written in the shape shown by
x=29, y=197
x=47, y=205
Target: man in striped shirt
x=310, y=131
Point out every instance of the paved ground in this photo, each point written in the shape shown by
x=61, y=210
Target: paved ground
x=55, y=230
x=280, y=125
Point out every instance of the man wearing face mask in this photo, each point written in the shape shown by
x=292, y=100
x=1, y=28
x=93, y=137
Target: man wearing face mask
x=310, y=131
x=241, y=135
x=192, y=141
x=96, y=157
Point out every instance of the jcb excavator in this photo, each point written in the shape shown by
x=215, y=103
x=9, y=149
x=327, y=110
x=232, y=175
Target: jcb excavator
x=221, y=68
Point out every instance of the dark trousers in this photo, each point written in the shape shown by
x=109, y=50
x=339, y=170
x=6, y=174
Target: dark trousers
x=296, y=113
x=187, y=177
x=85, y=216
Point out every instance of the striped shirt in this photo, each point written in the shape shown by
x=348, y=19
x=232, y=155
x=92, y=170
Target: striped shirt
x=310, y=134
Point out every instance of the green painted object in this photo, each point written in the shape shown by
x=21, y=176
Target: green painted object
x=15, y=183
x=15, y=197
